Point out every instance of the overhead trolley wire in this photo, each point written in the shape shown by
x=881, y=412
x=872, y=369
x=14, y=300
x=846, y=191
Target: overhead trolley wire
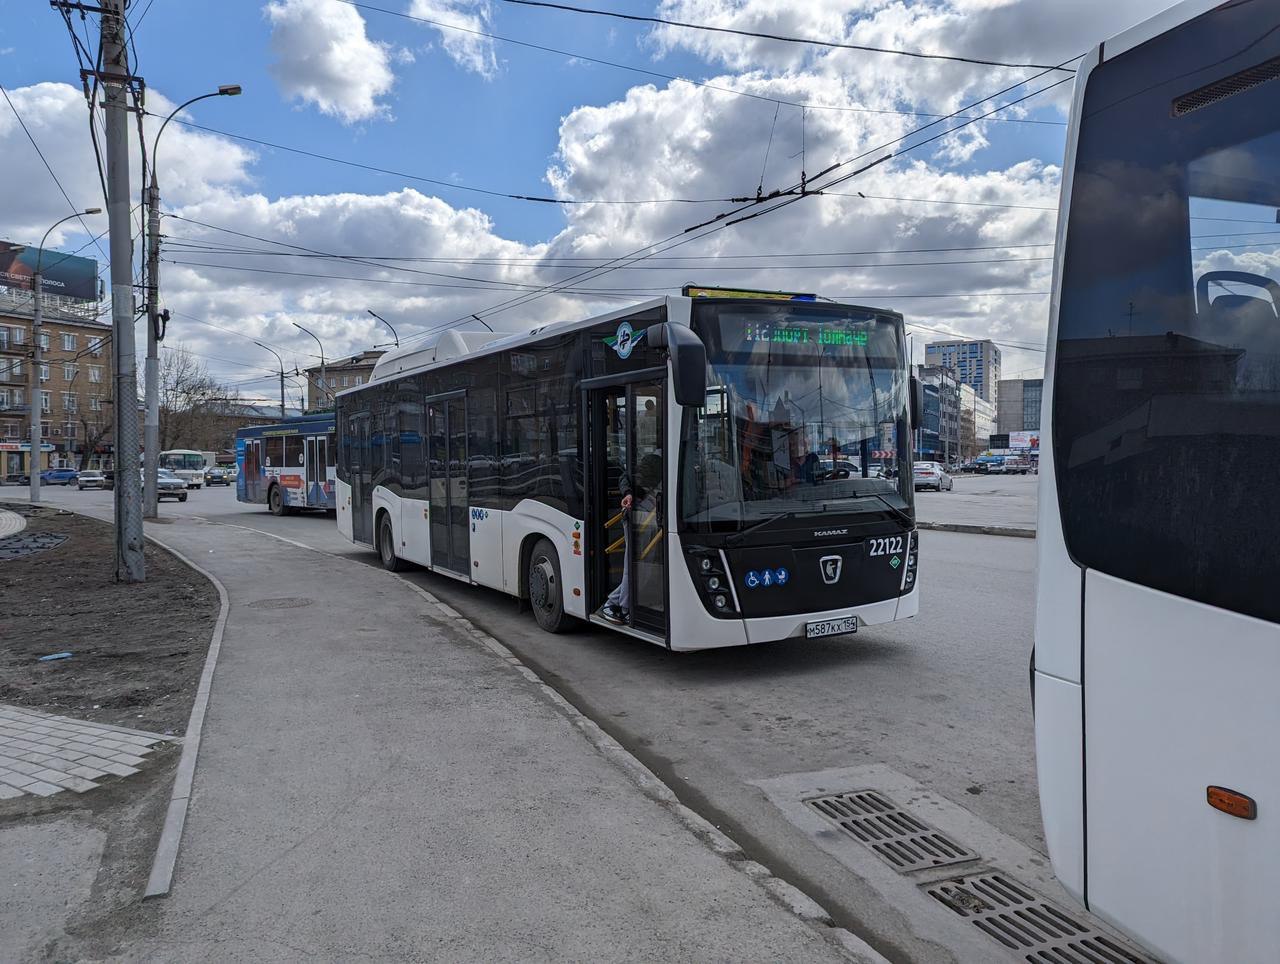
x=669, y=77
x=783, y=38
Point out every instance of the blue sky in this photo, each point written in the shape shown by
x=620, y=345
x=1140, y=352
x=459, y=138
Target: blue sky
x=448, y=123
x=607, y=133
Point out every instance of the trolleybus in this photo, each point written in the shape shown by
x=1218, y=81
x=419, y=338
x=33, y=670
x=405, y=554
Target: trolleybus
x=288, y=465
x=738, y=423
x=1157, y=644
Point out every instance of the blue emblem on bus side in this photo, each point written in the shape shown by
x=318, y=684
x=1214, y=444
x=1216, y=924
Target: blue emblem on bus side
x=624, y=340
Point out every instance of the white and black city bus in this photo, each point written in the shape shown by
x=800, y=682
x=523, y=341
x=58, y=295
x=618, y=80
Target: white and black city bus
x=1157, y=639
x=742, y=424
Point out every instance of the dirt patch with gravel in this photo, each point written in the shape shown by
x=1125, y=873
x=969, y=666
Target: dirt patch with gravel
x=136, y=650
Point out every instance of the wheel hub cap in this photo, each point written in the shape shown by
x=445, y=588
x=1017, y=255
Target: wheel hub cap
x=541, y=581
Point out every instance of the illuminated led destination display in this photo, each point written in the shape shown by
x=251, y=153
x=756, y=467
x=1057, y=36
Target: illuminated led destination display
x=834, y=335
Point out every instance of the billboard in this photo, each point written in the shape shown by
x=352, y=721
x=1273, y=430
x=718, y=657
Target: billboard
x=61, y=274
x=1025, y=441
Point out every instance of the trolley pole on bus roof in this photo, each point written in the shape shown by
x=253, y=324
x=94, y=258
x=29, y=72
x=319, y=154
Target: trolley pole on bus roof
x=117, y=83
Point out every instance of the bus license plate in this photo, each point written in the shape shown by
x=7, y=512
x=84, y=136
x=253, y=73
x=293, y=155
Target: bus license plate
x=831, y=627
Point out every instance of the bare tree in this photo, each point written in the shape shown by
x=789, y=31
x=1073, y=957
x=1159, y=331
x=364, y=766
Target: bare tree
x=96, y=428
x=196, y=410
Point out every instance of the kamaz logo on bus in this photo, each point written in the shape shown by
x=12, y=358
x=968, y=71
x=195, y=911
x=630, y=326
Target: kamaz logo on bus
x=625, y=340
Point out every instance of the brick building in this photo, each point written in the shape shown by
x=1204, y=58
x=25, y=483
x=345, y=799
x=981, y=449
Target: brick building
x=74, y=383
x=342, y=374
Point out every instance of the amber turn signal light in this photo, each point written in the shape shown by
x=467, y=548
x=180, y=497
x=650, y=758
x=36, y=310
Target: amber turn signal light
x=1228, y=801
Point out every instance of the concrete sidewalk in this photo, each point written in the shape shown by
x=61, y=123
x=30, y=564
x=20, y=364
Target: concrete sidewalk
x=373, y=783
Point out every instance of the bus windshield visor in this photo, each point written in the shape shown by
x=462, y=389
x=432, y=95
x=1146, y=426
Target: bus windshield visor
x=806, y=412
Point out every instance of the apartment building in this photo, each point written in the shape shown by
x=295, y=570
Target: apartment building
x=337, y=376
x=73, y=384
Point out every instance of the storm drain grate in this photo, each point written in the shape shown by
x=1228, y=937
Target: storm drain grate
x=902, y=840
x=1027, y=924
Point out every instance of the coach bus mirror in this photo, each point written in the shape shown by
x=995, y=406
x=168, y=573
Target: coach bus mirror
x=688, y=361
x=917, y=401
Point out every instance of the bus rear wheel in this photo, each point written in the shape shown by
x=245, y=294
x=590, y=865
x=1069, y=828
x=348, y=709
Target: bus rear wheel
x=545, y=594
x=387, y=546
x=275, y=501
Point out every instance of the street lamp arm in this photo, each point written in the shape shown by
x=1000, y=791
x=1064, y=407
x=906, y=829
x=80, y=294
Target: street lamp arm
x=227, y=90
x=77, y=214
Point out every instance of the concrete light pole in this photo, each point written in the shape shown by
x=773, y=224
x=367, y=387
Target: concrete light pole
x=151, y=426
x=324, y=371
x=117, y=82
x=37, y=319
x=281, y=361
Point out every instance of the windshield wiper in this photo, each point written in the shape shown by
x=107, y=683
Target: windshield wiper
x=897, y=513
x=737, y=537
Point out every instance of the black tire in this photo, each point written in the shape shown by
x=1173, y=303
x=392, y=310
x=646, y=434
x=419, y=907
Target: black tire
x=546, y=594
x=275, y=500
x=387, y=545
x=181, y=498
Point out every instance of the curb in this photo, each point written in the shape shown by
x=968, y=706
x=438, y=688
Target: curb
x=175, y=819
x=645, y=780
x=977, y=530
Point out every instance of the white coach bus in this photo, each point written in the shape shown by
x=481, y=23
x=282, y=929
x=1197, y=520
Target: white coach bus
x=1157, y=649
x=729, y=418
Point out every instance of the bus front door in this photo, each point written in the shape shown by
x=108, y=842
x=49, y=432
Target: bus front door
x=626, y=548
x=447, y=483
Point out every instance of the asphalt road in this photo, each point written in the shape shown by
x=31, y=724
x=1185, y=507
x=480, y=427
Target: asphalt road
x=942, y=698
x=985, y=500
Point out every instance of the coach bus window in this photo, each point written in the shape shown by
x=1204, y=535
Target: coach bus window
x=1167, y=378
x=293, y=452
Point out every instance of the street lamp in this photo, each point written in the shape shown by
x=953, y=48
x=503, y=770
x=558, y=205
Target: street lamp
x=387, y=323
x=324, y=371
x=281, y=361
x=37, y=318
x=151, y=420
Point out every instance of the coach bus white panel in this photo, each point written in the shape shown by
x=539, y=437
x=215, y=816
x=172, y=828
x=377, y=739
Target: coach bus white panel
x=1161, y=860
x=1058, y=758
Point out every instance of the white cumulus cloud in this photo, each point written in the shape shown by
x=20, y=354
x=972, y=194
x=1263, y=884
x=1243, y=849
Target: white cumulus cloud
x=468, y=50
x=325, y=58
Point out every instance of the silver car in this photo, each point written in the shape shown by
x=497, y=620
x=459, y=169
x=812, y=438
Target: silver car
x=170, y=486
x=931, y=475
x=91, y=479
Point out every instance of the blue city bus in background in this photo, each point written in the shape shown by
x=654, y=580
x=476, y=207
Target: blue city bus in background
x=288, y=465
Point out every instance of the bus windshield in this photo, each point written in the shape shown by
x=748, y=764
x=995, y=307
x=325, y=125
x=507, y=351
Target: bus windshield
x=806, y=412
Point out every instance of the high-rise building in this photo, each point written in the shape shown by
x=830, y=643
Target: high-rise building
x=977, y=363
x=938, y=437
x=977, y=422
x=1018, y=408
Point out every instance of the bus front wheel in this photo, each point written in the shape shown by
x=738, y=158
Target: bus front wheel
x=545, y=594
x=387, y=546
x=275, y=501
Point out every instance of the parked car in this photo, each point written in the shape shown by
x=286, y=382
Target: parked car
x=931, y=475
x=91, y=479
x=170, y=486
x=58, y=476
x=217, y=475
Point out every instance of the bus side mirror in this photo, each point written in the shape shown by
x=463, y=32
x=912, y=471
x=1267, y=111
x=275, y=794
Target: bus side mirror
x=688, y=361
x=917, y=401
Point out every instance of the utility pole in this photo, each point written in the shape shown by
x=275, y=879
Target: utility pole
x=116, y=84
x=37, y=352
x=281, y=361
x=151, y=441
